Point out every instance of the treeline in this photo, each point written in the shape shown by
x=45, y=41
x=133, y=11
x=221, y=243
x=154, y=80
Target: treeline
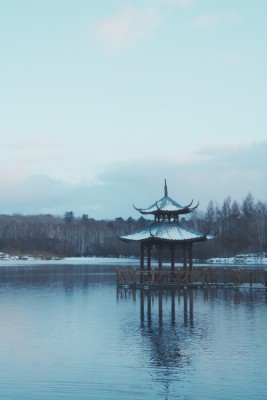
x=238, y=228
x=48, y=235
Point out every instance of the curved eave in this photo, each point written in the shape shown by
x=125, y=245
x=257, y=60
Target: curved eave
x=160, y=211
x=167, y=206
x=157, y=239
x=166, y=232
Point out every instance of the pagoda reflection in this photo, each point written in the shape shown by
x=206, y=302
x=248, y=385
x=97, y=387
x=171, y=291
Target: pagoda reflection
x=166, y=307
x=163, y=306
x=166, y=323
x=167, y=326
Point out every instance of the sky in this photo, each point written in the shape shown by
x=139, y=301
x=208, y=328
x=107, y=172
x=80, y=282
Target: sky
x=101, y=100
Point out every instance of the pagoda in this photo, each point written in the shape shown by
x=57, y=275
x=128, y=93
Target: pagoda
x=166, y=231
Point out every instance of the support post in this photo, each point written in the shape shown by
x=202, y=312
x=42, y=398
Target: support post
x=191, y=309
x=250, y=279
x=190, y=255
x=149, y=258
x=160, y=309
x=173, y=307
x=185, y=306
x=142, y=306
x=172, y=258
x=160, y=257
x=190, y=251
x=149, y=308
x=185, y=256
x=142, y=261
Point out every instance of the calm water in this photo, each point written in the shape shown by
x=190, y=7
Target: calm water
x=70, y=335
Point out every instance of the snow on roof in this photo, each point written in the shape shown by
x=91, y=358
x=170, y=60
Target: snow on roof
x=169, y=231
x=166, y=204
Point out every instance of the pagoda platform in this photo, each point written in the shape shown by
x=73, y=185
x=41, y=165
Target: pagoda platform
x=198, y=278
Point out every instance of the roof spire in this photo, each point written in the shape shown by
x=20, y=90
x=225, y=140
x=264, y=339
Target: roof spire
x=165, y=189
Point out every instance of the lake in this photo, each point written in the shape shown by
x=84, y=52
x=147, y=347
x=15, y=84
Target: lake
x=67, y=333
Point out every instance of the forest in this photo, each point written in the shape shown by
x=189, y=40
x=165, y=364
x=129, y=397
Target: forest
x=237, y=228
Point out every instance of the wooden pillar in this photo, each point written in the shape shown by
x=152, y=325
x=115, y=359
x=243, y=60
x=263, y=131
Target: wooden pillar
x=142, y=256
x=149, y=258
x=160, y=256
x=142, y=306
x=172, y=258
x=142, y=261
x=185, y=256
x=160, y=309
x=191, y=307
x=190, y=252
x=173, y=307
x=149, y=308
x=190, y=256
x=185, y=306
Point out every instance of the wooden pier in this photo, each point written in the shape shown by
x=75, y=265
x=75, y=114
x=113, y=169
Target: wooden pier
x=197, y=277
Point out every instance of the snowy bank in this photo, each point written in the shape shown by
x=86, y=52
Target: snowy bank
x=6, y=260
x=240, y=259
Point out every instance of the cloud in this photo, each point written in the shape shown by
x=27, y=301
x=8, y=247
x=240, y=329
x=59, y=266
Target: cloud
x=127, y=27
x=213, y=173
x=233, y=17
x=214, y=148
x=234, y=58
x=182, y=3
x=210, y=19
x=207, y=19
x=31, y=144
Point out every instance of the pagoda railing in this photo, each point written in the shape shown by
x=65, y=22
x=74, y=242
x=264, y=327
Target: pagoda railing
x=198, y=276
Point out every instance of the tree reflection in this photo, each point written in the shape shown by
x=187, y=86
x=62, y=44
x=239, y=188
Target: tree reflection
x=68, y=277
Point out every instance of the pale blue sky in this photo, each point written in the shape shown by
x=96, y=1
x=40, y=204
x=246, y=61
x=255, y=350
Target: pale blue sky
x=102, y=100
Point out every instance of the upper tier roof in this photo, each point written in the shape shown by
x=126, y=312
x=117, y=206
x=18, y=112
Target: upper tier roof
x=167, y=205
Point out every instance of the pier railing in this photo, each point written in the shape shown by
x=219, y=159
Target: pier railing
x=197, y=277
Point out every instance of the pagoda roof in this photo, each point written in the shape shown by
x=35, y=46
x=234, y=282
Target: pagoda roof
x=167, y=205
x=166, y=231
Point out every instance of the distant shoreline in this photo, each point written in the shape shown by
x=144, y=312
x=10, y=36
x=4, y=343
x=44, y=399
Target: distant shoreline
x=120, y=262
x=29, y=260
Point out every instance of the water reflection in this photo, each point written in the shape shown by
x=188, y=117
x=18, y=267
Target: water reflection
x=159, y=299
x=67, y=277
x=155, y=302
x=65, y=334
x=174, y=332
x=237, y=296
x=166, y=327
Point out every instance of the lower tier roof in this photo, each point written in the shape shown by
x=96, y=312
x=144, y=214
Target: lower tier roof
x=166, y=231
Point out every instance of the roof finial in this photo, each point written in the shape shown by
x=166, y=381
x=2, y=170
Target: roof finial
x=165, y=189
